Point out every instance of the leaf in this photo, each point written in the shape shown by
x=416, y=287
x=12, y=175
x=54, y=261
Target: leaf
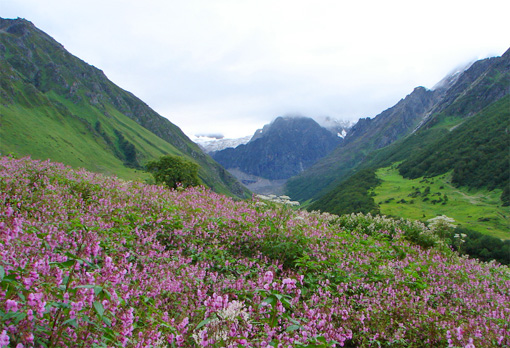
x=86, y=286
x=66, y=264
x=2, y=273
x=269, y=300
x=107, y=294
x=107, y=321
x=97, y=290
x=71, y=322
x=60, y=305
x=98, y=306
x=87, y=320
x=203, y=322
x=22, y=296
x=71, y=256
x=321, y=339
x=15, y=316
x=292, y=328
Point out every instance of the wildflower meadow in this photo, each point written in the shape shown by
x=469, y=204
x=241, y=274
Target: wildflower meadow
x=93, y=261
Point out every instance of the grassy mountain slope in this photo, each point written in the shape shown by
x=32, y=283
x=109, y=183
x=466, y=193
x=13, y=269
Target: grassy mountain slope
x=476, y=150
x=54, y=105
x=469, y=163
x=352, y=195
x=104, y=262
x=467, y=137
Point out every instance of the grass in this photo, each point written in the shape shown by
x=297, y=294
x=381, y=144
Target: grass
x=40, y=134
x=478, y=210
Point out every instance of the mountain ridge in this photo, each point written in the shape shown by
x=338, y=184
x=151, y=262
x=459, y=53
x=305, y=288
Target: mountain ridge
x=42, y=82
x=365, y=136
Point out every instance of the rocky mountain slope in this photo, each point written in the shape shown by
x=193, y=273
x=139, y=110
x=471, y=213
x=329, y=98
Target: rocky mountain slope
x=54, y=105
x=281, y=149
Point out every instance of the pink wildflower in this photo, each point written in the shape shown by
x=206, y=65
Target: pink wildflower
x=11, y=305
x=470, y=344
x=268, y=277
x=4, y=339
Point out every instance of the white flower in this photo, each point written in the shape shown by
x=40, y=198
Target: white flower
x=218, y=328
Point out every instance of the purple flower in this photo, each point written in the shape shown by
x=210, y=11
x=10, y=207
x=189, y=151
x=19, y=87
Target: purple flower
x=11, y=305
x=4, y=339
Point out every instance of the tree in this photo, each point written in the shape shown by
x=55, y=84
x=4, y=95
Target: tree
x=174, y=171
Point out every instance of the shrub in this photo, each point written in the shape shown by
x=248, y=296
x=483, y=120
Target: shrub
x=174, y=171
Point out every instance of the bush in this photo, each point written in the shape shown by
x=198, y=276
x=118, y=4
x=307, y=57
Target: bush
x=174, y=171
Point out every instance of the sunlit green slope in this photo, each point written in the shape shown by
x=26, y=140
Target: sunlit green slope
x=53, y=105
x=425, y=198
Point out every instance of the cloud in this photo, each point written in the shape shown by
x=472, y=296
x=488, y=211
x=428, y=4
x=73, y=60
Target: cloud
x=231, y=66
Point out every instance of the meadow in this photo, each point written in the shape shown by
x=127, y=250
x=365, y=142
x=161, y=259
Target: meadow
x=426, y=197
x=93, y=261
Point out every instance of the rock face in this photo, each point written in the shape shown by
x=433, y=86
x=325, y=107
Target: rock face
x=281, y=149
x=394, y=122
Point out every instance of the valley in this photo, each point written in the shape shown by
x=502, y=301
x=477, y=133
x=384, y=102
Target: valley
x=96, y=250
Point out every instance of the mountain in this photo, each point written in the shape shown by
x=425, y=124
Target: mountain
x=281, y=149
x=365, y=136
x=54, y=105
x=337, y=127
x=217, y=143
x=461, y=142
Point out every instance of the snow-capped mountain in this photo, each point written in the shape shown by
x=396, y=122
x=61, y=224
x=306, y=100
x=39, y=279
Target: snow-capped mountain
x=211, y=143
x=335, y=126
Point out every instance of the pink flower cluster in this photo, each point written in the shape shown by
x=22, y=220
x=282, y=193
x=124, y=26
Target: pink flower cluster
x=91, y=260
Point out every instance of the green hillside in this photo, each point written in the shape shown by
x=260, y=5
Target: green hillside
x=109, y=263
x=43, y=128
x=352, y=195
x=467, y=159
x=477, y=150
x=462, y=145
x=425, y=198
x=53, y=105
x=416, y=124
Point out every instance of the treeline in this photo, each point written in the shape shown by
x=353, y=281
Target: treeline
x=352, y=195
x=476, y=151
x=480, y=246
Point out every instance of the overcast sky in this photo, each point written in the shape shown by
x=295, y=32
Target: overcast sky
x=231, y=66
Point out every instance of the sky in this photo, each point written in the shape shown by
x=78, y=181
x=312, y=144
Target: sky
x=231, y=66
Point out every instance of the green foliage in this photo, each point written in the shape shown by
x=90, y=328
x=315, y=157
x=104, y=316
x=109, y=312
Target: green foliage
x=351, y=196
x=505, y=196
x=482, y=247
x=174, y=171
x=128, y=150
